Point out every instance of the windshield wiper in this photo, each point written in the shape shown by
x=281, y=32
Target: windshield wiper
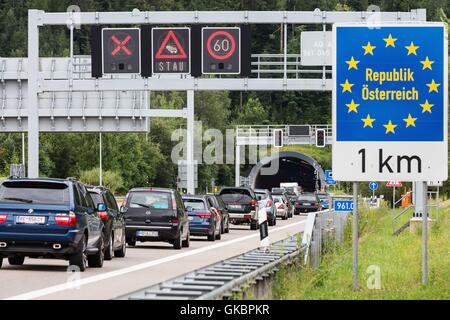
x=19, y=200
x=141, y=205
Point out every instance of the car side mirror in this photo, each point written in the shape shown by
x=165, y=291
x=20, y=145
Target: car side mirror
x=101, y=207
x=123, y=209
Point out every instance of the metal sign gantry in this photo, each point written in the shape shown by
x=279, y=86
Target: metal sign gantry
x=39, y=94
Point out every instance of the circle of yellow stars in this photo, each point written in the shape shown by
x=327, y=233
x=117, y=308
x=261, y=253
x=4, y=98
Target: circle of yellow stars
x=369, y=49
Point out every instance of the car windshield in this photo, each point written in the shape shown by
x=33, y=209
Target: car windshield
x=35, y=192
x=194, y=204
x=278, y=198
x=150, y=200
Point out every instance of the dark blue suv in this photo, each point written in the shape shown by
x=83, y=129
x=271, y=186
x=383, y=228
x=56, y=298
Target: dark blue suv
x=49, y=218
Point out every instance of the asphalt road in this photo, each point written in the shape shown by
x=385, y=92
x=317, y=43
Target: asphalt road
x=145, y=265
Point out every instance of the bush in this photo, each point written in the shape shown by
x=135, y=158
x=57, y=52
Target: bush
x=112, y=180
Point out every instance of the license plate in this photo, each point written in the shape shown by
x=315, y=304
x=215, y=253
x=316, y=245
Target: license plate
x=152, y=234
x=30, y=220
x=306, y=204
x=235, y=206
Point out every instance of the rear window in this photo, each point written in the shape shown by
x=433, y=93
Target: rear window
x=307, y=198
x=241, y=196
x=322, y=196
x=97, y=198
x=195, y=204
x=35, y=192
x=152, y=200
x=262, y=196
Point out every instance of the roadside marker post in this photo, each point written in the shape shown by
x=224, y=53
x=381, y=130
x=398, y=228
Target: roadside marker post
x=264, y=230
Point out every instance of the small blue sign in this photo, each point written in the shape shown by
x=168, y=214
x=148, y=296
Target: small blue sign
x=373, y=185
x=329, y=177
x=343, y=205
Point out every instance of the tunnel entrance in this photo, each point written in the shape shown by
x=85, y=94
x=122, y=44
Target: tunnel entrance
x=293, y=167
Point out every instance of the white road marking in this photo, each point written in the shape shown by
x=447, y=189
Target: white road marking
x=78, y=283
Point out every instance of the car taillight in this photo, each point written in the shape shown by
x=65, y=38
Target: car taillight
x=174, y=221
x=3, y=218
x=281, y=206
x=253, y=203
x=204, y=215
x=103, y=215
x=297, y=204
x=269, y=204
x=69, y=220
x=174, y=204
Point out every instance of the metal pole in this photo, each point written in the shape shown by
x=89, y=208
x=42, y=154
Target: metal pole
x=101, y=159
x=393, y=198
x=23, y=149
x=421, y=210
x=355, y=235
x=237, y=161
x=190, y=143
x=33, y=78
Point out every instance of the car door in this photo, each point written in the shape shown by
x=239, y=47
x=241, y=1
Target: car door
x=182, y=214
x=214, y=211
x=94, y=223
x=117, y=222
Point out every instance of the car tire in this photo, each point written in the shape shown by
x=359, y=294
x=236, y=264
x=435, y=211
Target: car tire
x=121, y=253
x=16, y=261
x=222, y=227
x=271, y=223
x=219, y=234
x=96, y=260
x=254, y=225
x=79, y=258
x=285, y=217
x=211, y=237
x=275, y=221
x=227, y=230
x=177, y=242
x=131, y=243
x=187, y=242
x=1, y=261
x=109, y=253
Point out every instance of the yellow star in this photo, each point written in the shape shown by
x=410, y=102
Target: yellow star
x=368, y=48
x=427, y=64
x=390, y=41
x=368, y=122
x=346, y=86
x=412, y=48
x=410, y=121
x=352, y=63
x=390, y=127
x=426, y=106
x=433, y=86
x=352, y=106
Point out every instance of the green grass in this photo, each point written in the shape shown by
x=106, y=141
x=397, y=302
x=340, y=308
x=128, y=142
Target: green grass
x=399, y=260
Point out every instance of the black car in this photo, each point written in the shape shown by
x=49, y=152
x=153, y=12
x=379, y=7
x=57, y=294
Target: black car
x=223, y=211
x=156, y=214
x=204, y=219
x=49, y=218
x=114, y=232
x=242, y=204
x=307, y=202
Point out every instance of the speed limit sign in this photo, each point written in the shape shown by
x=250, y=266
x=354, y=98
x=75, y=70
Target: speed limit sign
x=221, y=50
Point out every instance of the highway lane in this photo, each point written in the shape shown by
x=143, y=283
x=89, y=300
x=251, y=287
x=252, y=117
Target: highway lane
x=145, y=265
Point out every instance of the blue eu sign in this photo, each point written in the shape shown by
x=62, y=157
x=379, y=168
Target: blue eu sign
x=329, y=177
x=390, y=102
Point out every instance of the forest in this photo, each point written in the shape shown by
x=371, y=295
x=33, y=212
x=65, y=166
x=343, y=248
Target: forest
x=142, y=159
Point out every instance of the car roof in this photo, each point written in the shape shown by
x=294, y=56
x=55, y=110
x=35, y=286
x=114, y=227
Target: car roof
x=97, y=189
x=262, y=191
x=150, y=189
x=54, y=180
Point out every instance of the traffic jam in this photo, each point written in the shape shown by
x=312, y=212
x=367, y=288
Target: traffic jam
x=84, y=225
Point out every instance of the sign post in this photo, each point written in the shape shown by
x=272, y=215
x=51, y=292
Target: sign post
x=355, y=235
x=390, y=107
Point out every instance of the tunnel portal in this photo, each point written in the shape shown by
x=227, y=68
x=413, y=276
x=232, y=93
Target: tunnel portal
x=293, y=167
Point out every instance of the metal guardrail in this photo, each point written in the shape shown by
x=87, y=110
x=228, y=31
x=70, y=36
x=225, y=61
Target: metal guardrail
x=220, y=280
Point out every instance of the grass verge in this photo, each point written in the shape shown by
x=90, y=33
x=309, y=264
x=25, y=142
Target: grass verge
x=397, y=258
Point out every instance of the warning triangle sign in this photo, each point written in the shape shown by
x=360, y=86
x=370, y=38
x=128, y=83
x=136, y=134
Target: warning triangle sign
x=171, y=51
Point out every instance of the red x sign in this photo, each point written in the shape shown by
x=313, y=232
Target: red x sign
x=121, y=45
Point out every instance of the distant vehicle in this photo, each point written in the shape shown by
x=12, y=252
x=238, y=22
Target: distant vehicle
x=324, y=200
x=114, y=231
x=307, y=202
x=223, y=211
x=204, y=219
x=289, y=203
x=281, y=203
x=242, y=205
x=291, y=186
x=156, y=214
x=265, y=200
x=50, y=218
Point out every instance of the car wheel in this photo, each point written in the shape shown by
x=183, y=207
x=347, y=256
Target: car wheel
x=211, y=237
x=227, y=230
x=285, y=217
x=96, y=260
x=219, y=234
x=222, y=226
x=186, y=243
x=79, y=258
x=271, y=222
x=275, y=221
x=122, y=251
x=16, y=261
x=177, y=242
x=131, y=243
x=109, y=252
x=1, y=261
x=254, y=225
